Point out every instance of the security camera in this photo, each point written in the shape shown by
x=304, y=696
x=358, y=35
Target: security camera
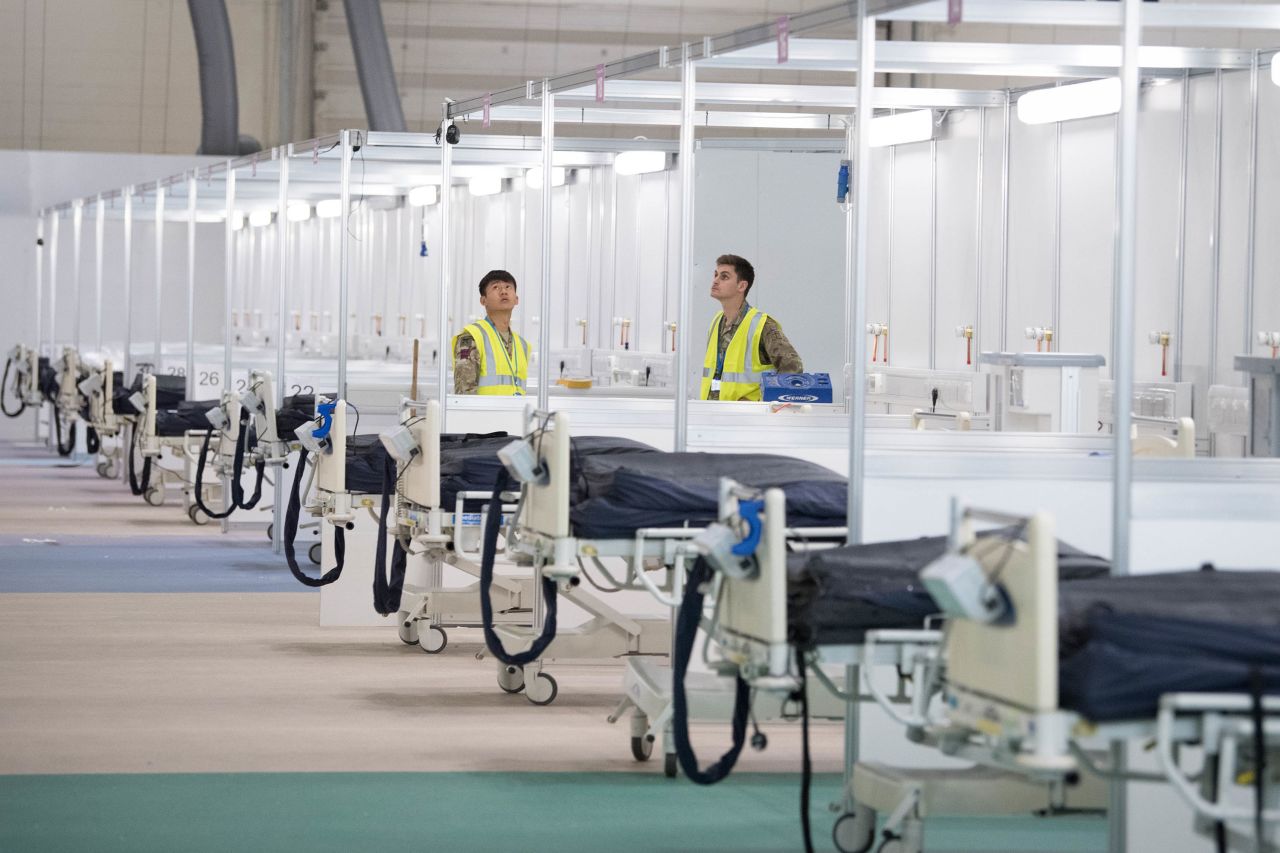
x=451, y=134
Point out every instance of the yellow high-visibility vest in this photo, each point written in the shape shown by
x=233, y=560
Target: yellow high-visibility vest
x=501, y=375
x=740, y=379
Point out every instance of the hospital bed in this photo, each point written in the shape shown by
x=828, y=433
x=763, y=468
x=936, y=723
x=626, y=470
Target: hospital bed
x=437, y=484
x=1037, y=684
x=20, y=387
x=777, y=621
x=248, y=429
x=642, y=509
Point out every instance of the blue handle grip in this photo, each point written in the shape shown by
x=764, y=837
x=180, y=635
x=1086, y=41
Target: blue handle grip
x=749, y=511
x=326, y=420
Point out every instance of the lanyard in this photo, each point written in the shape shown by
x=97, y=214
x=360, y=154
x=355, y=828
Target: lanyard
x=502, y=346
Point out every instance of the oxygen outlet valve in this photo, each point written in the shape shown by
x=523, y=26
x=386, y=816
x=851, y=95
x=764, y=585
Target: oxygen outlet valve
x=966, y=332
x=1270, y=339
x=1042, y=337
x=878, y=330
x=1161, y=339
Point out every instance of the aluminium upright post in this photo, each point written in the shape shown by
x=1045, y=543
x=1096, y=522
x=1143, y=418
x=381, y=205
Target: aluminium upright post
x=857, y=318
x=229, y=281
x=192, y=185
x=77, y=231
x=99, y=232
x=128, y=284
x=54, y=218
x=282, y=255
x=159, y=354
x=858, y=228
x=1122, y=460
x=39, y=342
x=544, y=308
x=344, y=262
x=446, y=202
x=1252, y=228
x=688, y=92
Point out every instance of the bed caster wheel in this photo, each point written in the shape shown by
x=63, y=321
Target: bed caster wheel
x=542, y=691
x=197, y=516
x=670, y=767
x=154, y=496
x=433, y=640
x=271, y=529
x=101, y=468
x=892, y=845
x=480, y=655
x=641, y=748
x=314, y=553
x=511, y=679
x=855, y=831
x=406, y=629
x=110, y=468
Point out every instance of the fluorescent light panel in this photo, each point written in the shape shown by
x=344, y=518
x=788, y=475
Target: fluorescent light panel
x=298, y=211
x=329, y=208
x=1065, y=103
x=260, y=218
x=533, y=177
x=482, y=185
x=912, y=126
x=423, y=196
x=639, y=162
x=1275, y=69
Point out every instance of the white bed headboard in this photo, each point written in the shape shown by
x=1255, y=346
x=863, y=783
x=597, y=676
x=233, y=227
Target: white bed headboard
x=1014, y=663
x=421, y=480
x=756, y=608
x=546, y=507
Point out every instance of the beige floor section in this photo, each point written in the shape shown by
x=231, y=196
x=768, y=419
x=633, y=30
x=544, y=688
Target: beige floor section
x=112, y=683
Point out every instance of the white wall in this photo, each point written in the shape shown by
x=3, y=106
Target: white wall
x=778, y=211
x=31, y=181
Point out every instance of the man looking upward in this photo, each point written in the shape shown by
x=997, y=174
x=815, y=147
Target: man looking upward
x=744, y=342
x=488, y=358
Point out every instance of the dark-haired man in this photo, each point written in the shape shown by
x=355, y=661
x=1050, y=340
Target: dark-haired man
x=744, y=342
x=488, y=357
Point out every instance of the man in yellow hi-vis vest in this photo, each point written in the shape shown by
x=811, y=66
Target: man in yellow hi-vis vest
x=744, y=342
x=488, y=357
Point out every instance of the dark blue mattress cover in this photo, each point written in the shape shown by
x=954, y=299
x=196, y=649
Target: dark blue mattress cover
x=624, y=492
x=835, y=596
x=469, y=462
x=187, y=415
x=1124, y=642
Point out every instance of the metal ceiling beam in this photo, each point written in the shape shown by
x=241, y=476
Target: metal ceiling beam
x=671, y=118
x=766, y=33
x=1072, y=13
x=768, y=94
x=964, y=58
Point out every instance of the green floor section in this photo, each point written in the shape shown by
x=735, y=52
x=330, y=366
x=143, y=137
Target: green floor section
x=458, y=812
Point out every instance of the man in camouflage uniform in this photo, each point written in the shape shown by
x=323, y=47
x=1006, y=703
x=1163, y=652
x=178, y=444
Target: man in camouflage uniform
x=730, y=285
x=499, y=297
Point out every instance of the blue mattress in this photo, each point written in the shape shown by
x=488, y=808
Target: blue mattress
x=835, y=596
x=1124, y=642
x=469, y=462
x=624, y=492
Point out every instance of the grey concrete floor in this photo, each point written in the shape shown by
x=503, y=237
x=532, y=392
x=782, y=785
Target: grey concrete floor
x=127, y=682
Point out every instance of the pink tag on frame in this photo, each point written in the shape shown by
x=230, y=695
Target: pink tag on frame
x=784, y=39
x=955, y=10
x=488, y=105
x=600, y=83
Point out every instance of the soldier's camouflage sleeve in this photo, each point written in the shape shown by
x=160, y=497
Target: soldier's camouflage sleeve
x=466, y=365
x=775, y=349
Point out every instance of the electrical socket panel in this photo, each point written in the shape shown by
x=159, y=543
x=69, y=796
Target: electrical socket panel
x=962, y=391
